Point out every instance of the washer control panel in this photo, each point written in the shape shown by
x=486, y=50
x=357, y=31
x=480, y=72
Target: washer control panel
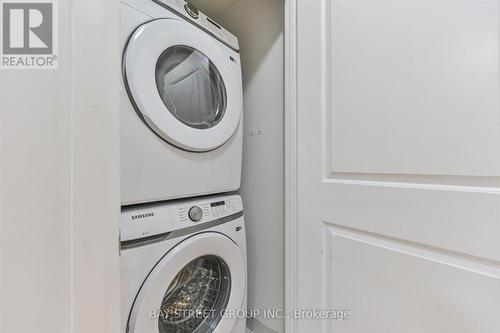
x=192, y=14
x=159, y=218
x=223, y=208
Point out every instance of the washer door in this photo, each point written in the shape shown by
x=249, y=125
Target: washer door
x=182, y=84
x=190, y=288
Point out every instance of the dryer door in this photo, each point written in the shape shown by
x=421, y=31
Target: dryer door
x=183, y=84
x=193, y=288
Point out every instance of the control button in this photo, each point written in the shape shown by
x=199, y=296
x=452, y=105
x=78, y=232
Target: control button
x=195, y=213
x=192, y=10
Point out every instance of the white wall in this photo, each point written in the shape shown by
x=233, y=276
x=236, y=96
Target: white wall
x=259, y=26
x=59, y=181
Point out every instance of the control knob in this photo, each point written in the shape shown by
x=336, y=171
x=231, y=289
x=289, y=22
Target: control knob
x=192, y=10
x=195, y=213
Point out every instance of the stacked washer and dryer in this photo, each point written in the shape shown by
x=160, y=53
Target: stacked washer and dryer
x=183, y=248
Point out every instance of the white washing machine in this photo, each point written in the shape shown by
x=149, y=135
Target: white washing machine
x=181, y=103
x=183, y=267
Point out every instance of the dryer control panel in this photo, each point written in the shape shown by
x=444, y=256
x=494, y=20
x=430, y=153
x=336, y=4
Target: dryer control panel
x=192, y=14
x=160, y=218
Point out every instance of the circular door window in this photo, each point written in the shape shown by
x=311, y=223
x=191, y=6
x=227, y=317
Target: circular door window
x=191, y=87
x=183, y=84
x=191, y=288
x=197, y=297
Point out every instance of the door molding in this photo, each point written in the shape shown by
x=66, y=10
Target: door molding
x=291, y=163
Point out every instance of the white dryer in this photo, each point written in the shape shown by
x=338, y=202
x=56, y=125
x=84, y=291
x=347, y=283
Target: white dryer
x=181, y=103
x=183, y=267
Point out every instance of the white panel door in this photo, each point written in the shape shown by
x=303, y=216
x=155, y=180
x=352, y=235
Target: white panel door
x=399, y=164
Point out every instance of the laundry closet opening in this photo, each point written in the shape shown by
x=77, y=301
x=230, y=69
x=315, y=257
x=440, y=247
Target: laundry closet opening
x=259, y=26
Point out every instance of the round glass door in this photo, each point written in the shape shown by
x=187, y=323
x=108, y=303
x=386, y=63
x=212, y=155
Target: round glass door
x=197, y=297
x=183, y=84
x=191, y=87
x=191, y=287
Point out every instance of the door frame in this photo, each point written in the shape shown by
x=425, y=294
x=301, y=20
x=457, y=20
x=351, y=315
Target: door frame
x=291, y=163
